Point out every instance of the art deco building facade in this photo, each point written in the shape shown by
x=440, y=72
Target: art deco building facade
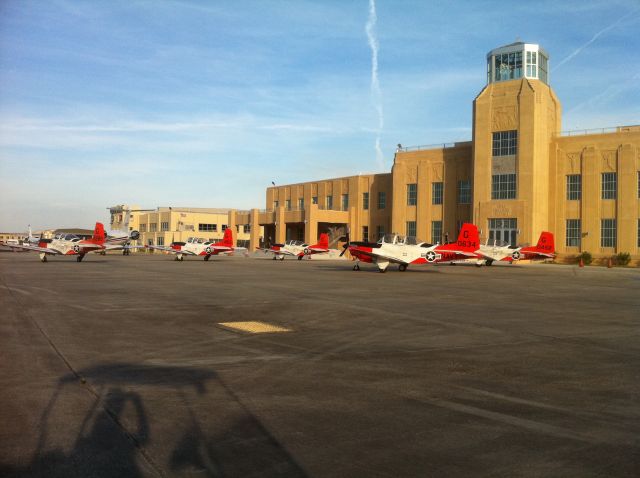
x=518, y=176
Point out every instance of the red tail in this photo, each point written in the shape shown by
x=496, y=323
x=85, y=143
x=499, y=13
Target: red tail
x=324, y=241
x=546, y=243
x=468, y=239
x=98, y=233
x=227, y=239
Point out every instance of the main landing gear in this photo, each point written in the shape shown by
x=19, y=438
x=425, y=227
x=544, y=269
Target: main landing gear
x=356, y=267
x=80, y=257
x=179, y=258
x=43, y=257
x=402, y=267
x=206, y=258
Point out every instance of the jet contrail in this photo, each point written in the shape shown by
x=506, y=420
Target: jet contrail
x=376, y=94
x=594, y=38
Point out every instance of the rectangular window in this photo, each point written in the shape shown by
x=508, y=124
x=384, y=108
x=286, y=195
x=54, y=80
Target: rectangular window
x=365, y=233
x=329, y=202
x=301, y=204
x=464, y=191
x=287, y=204
x=508, y=66
x=573, y=233
x=574, y=187
x=411, y=228
x=143, y=228
x=412, y=194
x=153, y=226
x=365, y=201
x=608, y=233
x=224, y=227
x=382, y=200
x=247, y=228
x=379, y=232
x=436, y=193
x=505, y=143
x=436, y=232
x=276, y=204
x=314, y=200
x=345, y=202
x=160, y=241
x=164, y=226
x=503, y=186
x=208, y=227
x=609, y=185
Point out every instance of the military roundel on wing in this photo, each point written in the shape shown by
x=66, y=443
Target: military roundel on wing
x=307, y=252
x=76, y=248
x=515, y=255
x=208, y=250
x=431, y=256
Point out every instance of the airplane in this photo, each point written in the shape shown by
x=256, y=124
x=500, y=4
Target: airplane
x=68, y=245
x=501, y=252
x=404, y=251
x=197, y=246
x=298, y=249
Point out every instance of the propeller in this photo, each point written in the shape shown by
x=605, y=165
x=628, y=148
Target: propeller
x=346, y=246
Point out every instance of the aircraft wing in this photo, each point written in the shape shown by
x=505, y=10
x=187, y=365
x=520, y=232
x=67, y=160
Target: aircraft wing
x=171, y=249
x=283, y=252
x=316, y=249
x=28, y=247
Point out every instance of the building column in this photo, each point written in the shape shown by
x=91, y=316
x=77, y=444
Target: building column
x=232, y=224
x=590, y=213
x=310, y=223
x=627, y=220
x=254, y=234
x=281, y=226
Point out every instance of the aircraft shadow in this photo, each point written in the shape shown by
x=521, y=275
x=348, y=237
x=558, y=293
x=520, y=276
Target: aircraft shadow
x=217, y=436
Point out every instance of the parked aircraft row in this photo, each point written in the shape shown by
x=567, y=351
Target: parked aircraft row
x=405, y=251
x=390, y=249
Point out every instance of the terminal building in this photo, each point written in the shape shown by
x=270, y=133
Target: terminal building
x=518, y=176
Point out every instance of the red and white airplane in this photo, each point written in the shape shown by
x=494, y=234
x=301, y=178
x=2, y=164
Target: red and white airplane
x=299, y=249
x=197, y=246
x=401, y=250
x=68, y=245
x=500, y=252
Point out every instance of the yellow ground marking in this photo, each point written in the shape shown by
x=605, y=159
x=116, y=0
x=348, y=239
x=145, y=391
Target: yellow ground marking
x=254, y=327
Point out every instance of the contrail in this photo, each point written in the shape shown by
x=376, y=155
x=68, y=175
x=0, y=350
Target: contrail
x=376, y=94
x=594, y=38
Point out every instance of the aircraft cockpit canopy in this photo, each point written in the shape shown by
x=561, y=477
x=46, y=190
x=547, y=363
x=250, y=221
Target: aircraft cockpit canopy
x=67, y=237
x=195, y=240
x=296, y=243
x=400, y=240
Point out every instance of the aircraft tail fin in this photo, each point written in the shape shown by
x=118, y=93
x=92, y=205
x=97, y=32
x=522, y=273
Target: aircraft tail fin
x=227, y=239
x=546, y=243
x=324, y=241
x=468, y=238
x=98, y=233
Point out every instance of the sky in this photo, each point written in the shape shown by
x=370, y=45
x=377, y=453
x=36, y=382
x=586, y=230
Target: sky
x=205, y=103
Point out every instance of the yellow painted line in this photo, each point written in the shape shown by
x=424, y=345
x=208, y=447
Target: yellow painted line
x=254, y=327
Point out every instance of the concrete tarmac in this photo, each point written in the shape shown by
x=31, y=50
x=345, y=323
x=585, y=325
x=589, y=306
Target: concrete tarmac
x=119, y=367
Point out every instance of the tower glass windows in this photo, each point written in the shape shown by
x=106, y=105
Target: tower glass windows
x=517, y=60
x=505, y=143
x=503, y=186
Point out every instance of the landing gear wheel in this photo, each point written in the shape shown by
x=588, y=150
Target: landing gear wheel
x=383, y=270
x=300, y=258
x=206, y=258
x=79, y=258
x=43, y=258
x=402, y=267
x=356, y=267
x=177, y=259
x=489, y=263
x=282, y=258
x=275, y=258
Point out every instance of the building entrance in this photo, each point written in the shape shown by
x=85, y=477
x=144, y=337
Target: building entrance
x=504, y=230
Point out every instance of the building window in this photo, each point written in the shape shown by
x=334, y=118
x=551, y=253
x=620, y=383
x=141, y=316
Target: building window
x=208, y=227
x=224, y=227
x=503, y=186
x=574, y=187
x=365, y=233
x=412, y=194
x=436, y=232
x=382, y=200
x=609, y=185
x=153, y=226
x=301, y=204
x=314, y=200
x=164, y=226
x=329, y=202
x=160, y=241
x=411, y=228
x=143, y=228
x=287, y=204
x=532, y=68
x=365, y=201
x=345, y=202
x=505, y=143
x=573, y=233
x=508, y=66
x=379, y=232
x=436, y=193
x=608, y=233
x=464, y=191
x=247, y=228
x=276, y=204
x=150, y=242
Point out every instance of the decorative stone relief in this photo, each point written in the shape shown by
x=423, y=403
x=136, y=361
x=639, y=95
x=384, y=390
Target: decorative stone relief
x=608, y=160
x=574, y=162
x=501, y=210
x=504, y=119
x=412, y=175
x=436, y=174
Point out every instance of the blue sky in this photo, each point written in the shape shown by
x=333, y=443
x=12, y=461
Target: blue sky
x=203, y=104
